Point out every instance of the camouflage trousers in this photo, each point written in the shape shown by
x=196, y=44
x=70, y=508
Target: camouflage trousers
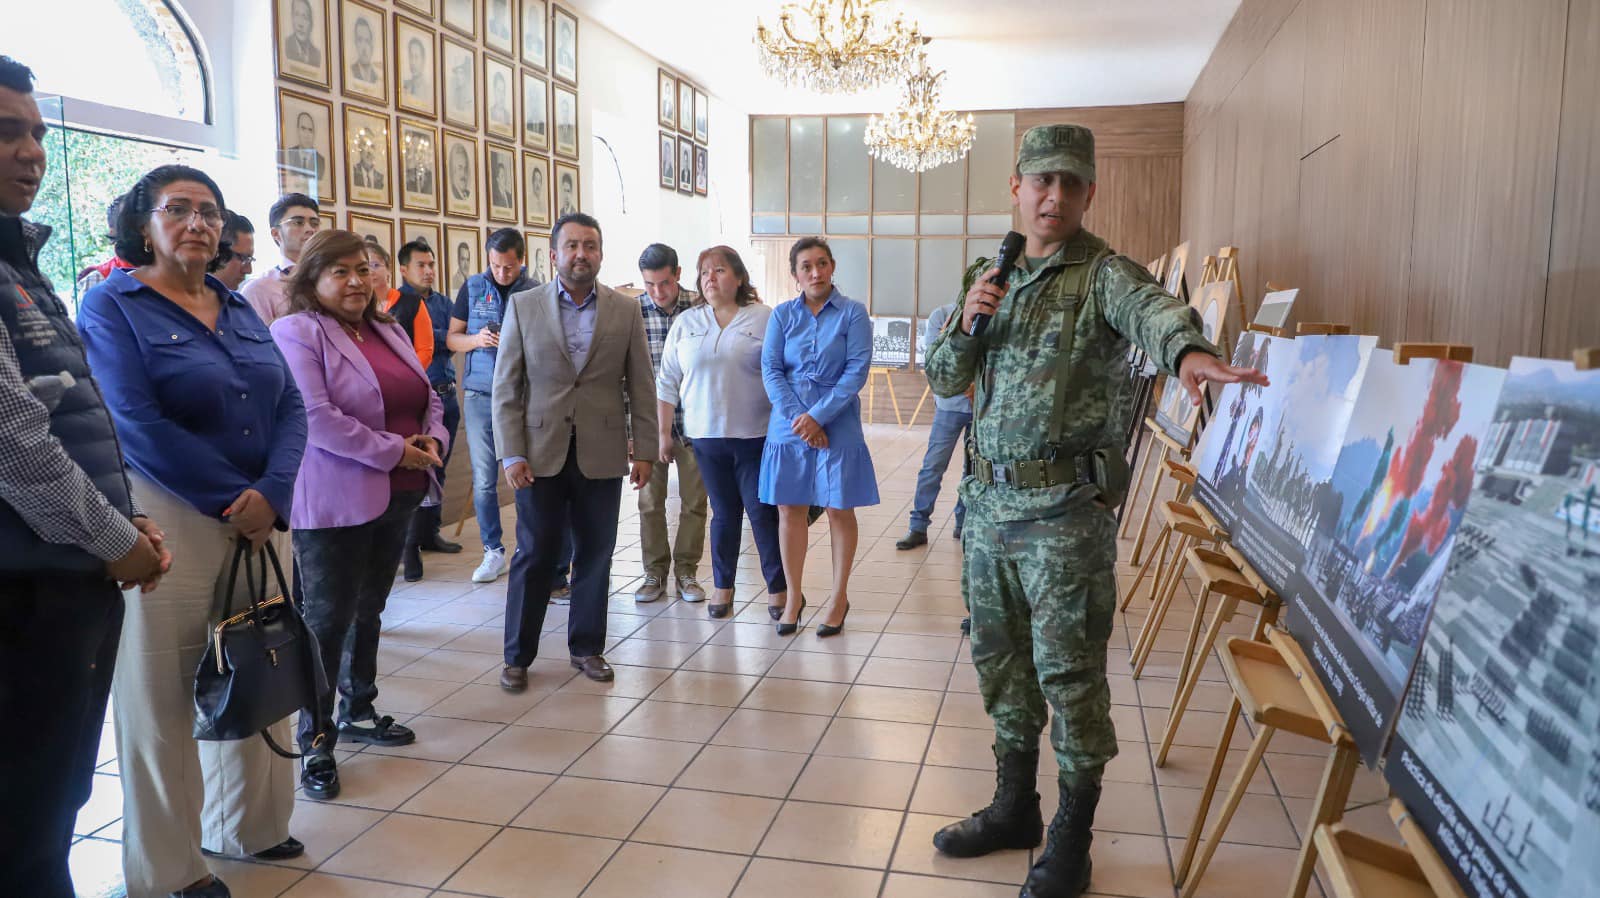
x=1042, y=595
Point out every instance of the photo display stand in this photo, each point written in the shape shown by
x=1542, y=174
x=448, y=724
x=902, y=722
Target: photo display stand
x=1360, y=866
x=888, y=385
x=1169, y=270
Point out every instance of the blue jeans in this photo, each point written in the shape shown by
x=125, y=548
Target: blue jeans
x=731, y=472
x=479, y=415
x=943, y=438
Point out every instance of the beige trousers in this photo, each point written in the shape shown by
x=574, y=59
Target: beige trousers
x=233, y=798
x=683, y=556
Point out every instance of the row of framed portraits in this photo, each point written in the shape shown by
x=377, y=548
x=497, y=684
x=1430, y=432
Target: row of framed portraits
x=547, y=40
x=684, y=165
x=438, y=169
x=512, y=104
x=458, y=249
x=682, y=107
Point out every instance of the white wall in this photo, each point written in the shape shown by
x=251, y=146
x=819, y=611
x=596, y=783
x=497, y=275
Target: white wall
x=617, y=102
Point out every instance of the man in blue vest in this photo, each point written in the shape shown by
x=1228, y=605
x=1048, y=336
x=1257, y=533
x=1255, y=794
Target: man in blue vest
x=70, y=534
x=475, y=330
x=418, y=271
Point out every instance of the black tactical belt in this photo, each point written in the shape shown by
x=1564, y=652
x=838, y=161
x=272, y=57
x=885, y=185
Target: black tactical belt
x=1033, y=473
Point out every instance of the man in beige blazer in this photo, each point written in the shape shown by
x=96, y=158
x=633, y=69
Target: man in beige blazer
x=568, y=351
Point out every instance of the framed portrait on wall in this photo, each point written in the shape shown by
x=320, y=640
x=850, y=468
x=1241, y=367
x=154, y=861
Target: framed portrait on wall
x=669, y=161
x=363, y=31
x=702, y=177
x=305, y=141
x=378, y=229
x=686, y=107
x=413, y=67
x=460, y=16
x=419, y=166
x=666, y=99
x=501, y=174
x=500, y=98
x=568, y=199
x=300, y=29
x=702, y=118
x=366, y=153
x=500, y=27
x=422, y=6
x=415, y=229
x=566, y=117
x=685, y=165
x=538, y=256
x=535, y=191
x=535, y=112
x=565, y=64
x=459, y=260
x=458, y=71
x=535, y=34
x=460, y=175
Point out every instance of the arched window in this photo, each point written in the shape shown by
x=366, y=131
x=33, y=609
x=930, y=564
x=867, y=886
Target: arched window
x=128, y=54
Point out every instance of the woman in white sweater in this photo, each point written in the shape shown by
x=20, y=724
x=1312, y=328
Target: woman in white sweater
x=711, y=366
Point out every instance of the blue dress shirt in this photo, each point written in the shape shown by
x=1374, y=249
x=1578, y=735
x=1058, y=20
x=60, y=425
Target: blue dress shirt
x=206, y=414
x=577, y=322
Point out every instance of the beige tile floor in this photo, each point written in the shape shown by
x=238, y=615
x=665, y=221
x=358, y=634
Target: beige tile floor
x=726, y=760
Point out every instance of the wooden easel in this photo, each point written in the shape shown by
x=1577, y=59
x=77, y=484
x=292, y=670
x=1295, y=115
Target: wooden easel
x=872, y=391
x=1586, y=359
x=1321, y=328
x=1276, y=683
x=1363, y=867
x=1191, y=527
x=927, y=390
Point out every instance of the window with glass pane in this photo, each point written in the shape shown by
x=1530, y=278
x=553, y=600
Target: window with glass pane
x=850, y=267
x=848, y=164
x=769, y=147
x=894, y=272
x=944, y=188
x=893, y=189
x=805, y=165
x=991, y=162
x=939, y=268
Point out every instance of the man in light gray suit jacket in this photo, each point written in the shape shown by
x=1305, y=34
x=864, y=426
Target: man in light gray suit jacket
x=569, y=349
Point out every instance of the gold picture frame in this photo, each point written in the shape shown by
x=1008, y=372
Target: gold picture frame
x=458, y=83
x=567, y=191
x=451, y=16
x=499, y=98
x=369, y=178
x=686, y=107
x=417, y=148
x=535, y=190
x=459, y=187
x=536, y=34
x=535, y=112
x=564, y=45
x=538, y=255
x=380, y=229
x=455, y=265
x=416, y=48
x=500, y=183
x=666, y=99
x=364, y=63
x=564, y=121
x=414, y=228
x=300, y=44
x=305, y=146
x=500, y=30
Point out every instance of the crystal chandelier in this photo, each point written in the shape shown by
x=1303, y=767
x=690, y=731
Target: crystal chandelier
x=843, y=46
x=918, y=135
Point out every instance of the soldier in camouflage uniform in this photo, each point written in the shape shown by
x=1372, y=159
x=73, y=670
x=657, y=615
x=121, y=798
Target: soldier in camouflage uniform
x=1046, y=471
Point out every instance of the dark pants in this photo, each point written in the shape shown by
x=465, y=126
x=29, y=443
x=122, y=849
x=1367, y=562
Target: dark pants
x=58, y=645
x=544, y=513
x=426, y=522
x=348, y=572
x=731, y=471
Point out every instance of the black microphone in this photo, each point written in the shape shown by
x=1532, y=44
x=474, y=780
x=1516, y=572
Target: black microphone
x=1005, y=259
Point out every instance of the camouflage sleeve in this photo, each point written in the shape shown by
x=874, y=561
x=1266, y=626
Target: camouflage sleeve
x=953, y=359
x=1139, y=309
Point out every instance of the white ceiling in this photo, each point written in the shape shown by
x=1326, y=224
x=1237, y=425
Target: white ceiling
x=999, y=54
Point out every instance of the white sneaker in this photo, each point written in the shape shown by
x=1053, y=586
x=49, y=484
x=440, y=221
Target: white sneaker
x=494, y=564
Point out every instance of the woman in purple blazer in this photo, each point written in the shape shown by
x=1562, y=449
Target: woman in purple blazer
x=375, y=431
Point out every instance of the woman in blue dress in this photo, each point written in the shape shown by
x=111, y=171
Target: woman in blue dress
x=814, y=363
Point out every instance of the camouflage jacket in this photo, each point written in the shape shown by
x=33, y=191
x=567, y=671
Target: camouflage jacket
x=1015, y=364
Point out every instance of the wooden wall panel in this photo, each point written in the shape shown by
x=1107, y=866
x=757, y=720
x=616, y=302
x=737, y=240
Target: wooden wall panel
x=1485, y=182
x=1253, y=27
x=1572, y=308
x=1153, y=129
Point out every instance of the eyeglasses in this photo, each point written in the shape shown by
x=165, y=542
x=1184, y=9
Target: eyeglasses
x=246, y=260
x=180, y=213
x=301, y=221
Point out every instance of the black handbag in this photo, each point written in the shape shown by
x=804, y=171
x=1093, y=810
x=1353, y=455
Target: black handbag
x=260, y=665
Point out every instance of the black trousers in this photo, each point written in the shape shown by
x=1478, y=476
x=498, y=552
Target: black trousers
x=58, y=645
x=347, y=573
x=544, y=511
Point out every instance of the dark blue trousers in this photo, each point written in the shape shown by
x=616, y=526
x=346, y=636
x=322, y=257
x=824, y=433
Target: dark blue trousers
x=731, y=471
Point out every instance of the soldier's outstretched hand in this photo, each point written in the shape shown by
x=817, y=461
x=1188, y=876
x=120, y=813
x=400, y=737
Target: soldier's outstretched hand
x=1200, y=368
x=982, y=299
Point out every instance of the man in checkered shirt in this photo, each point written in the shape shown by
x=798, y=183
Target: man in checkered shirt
x=663, y=300
x=70, y=533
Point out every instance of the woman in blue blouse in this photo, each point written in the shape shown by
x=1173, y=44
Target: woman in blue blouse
x=213, y=429
x=814, y=363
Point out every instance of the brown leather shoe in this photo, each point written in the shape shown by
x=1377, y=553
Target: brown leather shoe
x=514, y=679
x=595, y=668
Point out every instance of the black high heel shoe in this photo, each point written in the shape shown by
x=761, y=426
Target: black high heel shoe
x=788, y=629
x=826, y=630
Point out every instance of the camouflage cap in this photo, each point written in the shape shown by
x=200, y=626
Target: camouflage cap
x=1057, y=148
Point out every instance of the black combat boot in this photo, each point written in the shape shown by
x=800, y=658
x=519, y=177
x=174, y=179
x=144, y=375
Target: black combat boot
x=1011, y=821
x=1062, y=870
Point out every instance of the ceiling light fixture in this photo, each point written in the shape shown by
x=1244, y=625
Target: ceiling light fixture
x=918, y=135
x=844, y=46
